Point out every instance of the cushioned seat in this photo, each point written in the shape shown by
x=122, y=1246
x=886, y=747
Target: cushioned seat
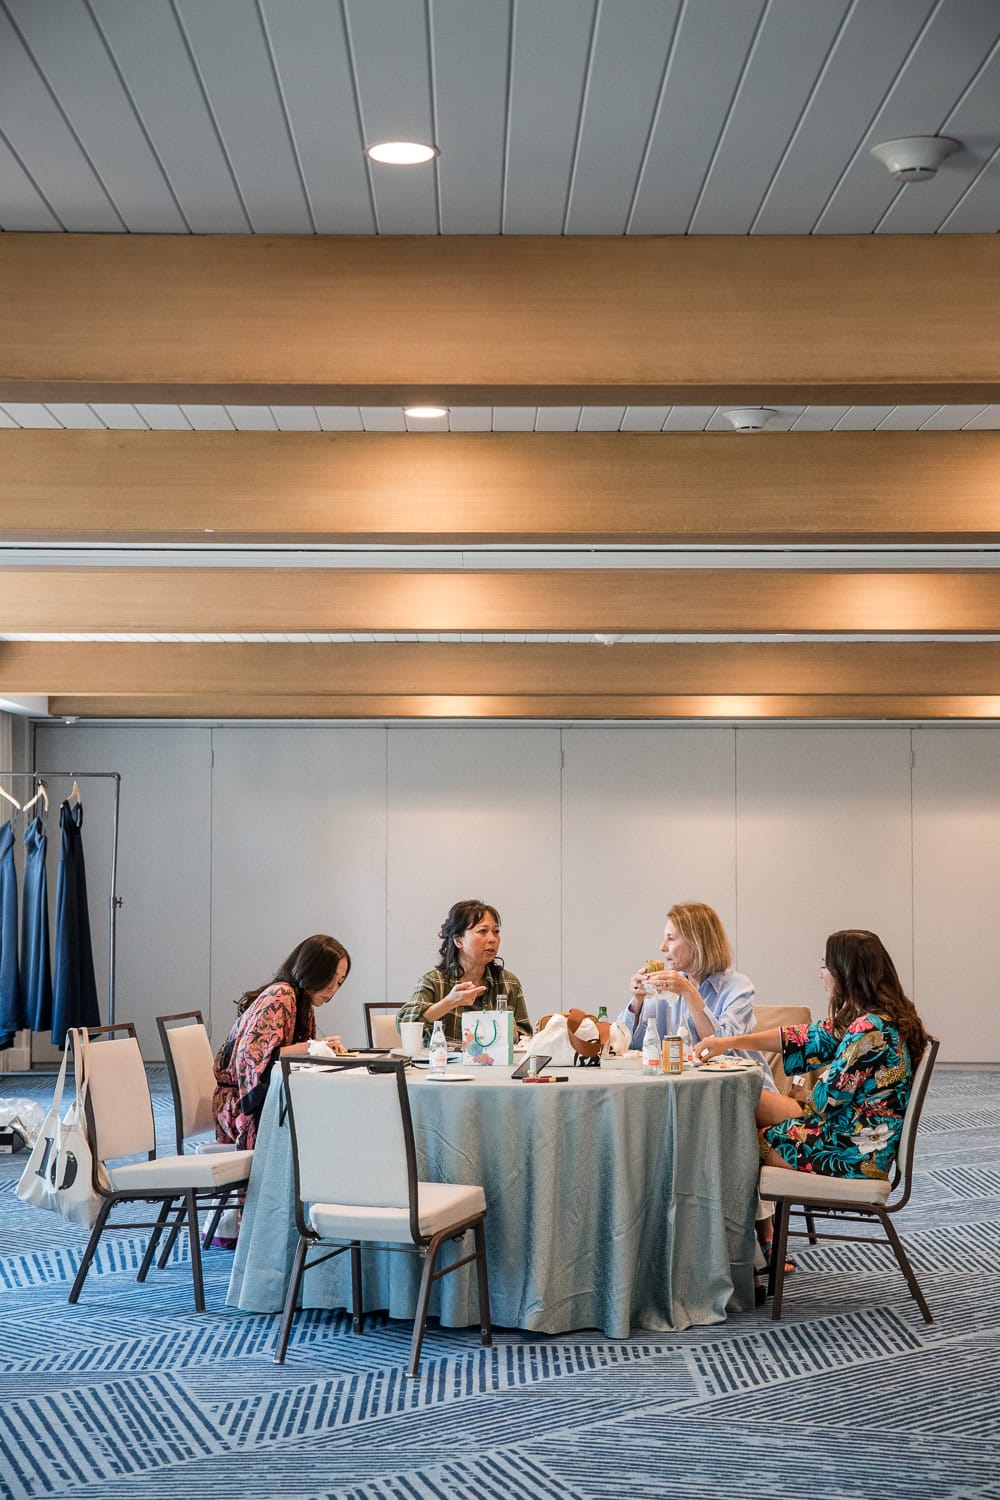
x=810, y=1187
x=205, y=1173
x=439, y=1204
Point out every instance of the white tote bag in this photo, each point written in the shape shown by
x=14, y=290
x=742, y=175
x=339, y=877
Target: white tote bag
x=58, y=1172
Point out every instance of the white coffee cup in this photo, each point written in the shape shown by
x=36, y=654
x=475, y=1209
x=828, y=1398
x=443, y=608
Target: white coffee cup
x=412, y=1034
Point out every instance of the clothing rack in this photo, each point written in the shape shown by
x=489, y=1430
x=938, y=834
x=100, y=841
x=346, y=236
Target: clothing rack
x=38, y=777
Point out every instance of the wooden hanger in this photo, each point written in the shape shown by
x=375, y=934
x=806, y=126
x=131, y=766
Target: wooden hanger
x=74, y=793
x=42, y=795
x=12, y=800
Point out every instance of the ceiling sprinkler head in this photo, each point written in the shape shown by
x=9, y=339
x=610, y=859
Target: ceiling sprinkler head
x=914, y=158
x=750, y=418
x=607, y=640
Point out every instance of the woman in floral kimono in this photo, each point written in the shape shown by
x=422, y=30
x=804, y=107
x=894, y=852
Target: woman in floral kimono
x=867, y=1048
x=270, y=1018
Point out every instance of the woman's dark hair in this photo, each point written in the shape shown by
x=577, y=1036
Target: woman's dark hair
x=463, y=915
x=865, y=982
x=309, y=968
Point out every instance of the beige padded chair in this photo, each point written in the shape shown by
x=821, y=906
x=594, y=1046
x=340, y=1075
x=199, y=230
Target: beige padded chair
x=373, y=1197
x=190, y=1062
x=120, y=1124
x=766, y=1017
x=849, y=1200
x=380, y=1024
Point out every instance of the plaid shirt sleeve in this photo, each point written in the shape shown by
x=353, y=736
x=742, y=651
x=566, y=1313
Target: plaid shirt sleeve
x=434, y=986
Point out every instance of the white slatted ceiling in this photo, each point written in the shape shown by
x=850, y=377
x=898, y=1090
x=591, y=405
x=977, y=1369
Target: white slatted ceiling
x=568, y=116
x=121, y=416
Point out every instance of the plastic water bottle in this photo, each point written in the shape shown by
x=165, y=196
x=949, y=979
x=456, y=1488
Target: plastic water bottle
x=652, y=1057
x=438, y=1052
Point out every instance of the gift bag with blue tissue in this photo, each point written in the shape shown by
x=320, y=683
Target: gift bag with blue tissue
x=488, y=1038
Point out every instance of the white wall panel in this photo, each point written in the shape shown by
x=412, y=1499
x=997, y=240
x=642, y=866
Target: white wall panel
x=164, y=842
x=648, y=820
x=956, y=887
x=371, y=833
x=823, y=842
x=474, y=812
x=298, y=846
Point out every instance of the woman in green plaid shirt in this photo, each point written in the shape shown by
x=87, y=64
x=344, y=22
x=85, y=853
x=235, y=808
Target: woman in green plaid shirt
x=469, y=976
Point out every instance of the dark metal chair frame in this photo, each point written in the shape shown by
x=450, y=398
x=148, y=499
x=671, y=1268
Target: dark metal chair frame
x=845, y=1213
x=424, y=1245
x=225, y=1200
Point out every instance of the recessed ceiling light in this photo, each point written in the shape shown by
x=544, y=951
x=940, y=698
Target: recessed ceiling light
x=402, y=153
x=425, y=413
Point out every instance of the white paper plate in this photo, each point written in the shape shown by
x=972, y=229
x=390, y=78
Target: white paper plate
x=726, y=1065
x=452, y=1075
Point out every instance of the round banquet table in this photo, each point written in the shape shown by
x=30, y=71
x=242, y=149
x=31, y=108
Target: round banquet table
x=614, y=1201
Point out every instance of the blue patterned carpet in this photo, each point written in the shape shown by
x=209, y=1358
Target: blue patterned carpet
x=851, y=1396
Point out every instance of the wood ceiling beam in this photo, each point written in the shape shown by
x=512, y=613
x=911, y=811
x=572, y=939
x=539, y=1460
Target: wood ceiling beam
x=544, y=600
x=103, y=670
x=538, y=706
x=468, y=489
x=484, y=321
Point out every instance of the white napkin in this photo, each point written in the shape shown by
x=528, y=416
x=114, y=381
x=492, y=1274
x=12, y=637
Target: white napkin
x=320, y=1049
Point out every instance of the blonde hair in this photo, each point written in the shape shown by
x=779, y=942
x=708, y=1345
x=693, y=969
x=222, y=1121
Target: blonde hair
x=701, y=929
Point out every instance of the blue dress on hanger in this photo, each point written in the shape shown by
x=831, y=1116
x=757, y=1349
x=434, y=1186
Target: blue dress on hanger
x=74, y=988
x=11, y=1002
x=36, y=969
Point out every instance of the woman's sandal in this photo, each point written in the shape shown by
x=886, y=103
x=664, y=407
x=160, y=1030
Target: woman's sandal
x=790, y=1264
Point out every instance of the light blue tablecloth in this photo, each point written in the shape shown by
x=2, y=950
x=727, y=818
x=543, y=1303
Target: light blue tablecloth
x=613, y=1202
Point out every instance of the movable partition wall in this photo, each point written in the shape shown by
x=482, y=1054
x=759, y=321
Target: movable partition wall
x=237, y=841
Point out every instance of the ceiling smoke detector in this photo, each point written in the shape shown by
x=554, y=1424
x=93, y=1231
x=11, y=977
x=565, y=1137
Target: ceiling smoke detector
x=914, y=158
x=750, y=418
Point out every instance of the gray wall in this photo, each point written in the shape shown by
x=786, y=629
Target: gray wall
x=239, y=840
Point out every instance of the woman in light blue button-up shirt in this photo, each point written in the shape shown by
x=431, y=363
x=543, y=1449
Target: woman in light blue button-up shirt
x=699, y=993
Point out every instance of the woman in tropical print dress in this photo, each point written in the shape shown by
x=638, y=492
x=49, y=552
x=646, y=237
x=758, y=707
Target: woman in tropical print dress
x=867, y=1048
x=270, y=1018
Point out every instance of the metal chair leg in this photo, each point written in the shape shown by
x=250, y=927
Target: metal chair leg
x=903, y=1261
x=157, y=1230
x=485, y=1317
x=195, y=1241
x=811, y=1227
x=171, y=1239
x=423, y=1302
x=779, y=1246
x=213, y=1222
x=357, y=1299
x=291, y=1297
x=88, y=1254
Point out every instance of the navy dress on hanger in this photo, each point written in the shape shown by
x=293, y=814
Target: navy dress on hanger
x=36, y=969
x=74, y=988
x=11, y=1003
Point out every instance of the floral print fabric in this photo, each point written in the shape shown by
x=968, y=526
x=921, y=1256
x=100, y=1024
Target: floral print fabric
x=851, y=1123
x=245, y=1059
